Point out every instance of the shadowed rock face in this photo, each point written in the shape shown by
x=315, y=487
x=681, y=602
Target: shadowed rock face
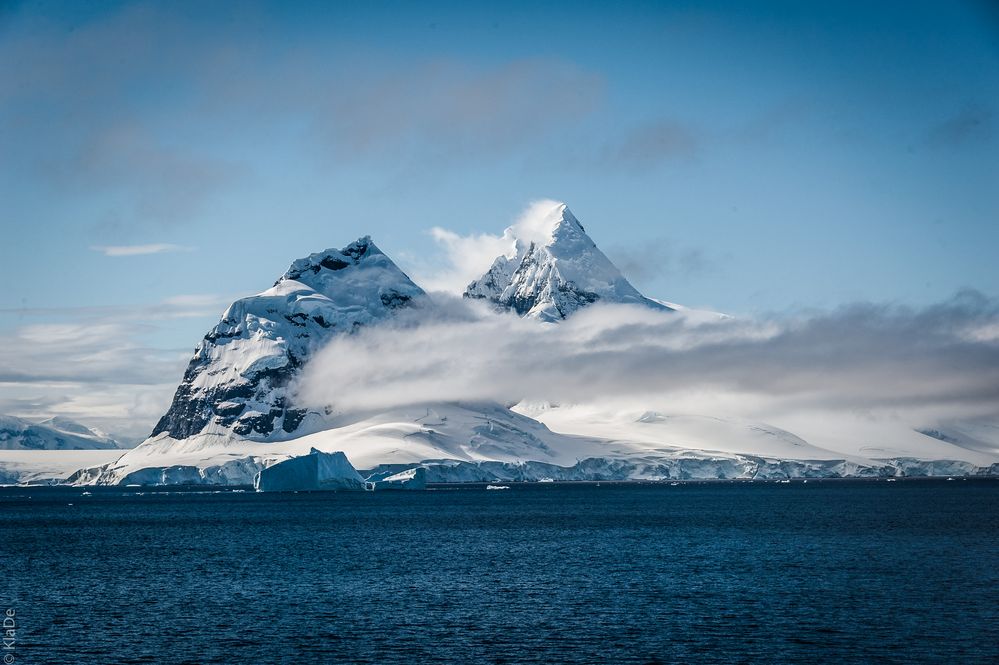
x=239, y=377
x=551, y=279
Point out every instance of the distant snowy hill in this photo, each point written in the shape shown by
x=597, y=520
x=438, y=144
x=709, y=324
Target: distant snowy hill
x=237, y=380
x=56, y=433
x=552, y=275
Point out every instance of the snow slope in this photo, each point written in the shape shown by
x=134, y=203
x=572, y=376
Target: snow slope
x=804, y=436
x=483, y=442
x=550, y=277
x=406, y=435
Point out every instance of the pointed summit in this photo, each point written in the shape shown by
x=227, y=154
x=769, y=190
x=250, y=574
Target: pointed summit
x=554, y=270
x=237, y=381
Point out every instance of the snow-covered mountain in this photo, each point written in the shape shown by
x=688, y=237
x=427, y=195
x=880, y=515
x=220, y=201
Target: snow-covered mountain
x=234, y=414
x=555, y=272
x=57, y=433
x=237, y=381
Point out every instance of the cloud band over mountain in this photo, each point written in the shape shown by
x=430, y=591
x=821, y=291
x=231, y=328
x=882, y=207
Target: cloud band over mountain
x=941, y=360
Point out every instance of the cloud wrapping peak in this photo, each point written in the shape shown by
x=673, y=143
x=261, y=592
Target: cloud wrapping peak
x=536, y=223
x=466, y=258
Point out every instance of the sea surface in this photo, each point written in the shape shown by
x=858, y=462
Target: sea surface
x=722, y=572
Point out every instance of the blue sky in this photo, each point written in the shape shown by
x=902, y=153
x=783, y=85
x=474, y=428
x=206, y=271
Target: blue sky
x=747, y=157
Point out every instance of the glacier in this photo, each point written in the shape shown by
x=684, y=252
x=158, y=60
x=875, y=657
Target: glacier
x=487, y=442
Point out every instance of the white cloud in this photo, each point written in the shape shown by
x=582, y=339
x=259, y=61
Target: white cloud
x=863, y=357
x=138, y=250
x=193, y=300
x=466, y=258
x=535, y=223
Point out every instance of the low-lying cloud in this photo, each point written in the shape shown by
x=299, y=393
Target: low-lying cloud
x=939, y=360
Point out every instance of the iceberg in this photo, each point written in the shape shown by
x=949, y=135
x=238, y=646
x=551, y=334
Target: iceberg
x=315, y=471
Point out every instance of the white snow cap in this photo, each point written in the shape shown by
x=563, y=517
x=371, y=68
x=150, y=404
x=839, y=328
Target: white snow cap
x=554, y=270
x=539, y=222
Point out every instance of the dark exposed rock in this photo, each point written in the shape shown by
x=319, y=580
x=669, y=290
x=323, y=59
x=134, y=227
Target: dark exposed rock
x=333, y=263
x=394, y=299
x=292, y=419
x=261, y=423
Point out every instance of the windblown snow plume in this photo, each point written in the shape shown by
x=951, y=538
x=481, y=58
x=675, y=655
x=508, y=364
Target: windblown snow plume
x=466, y=258
x=865, y=357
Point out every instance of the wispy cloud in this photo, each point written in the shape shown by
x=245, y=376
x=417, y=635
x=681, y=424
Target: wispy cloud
x=139, y=250
x=464, y=258
x=650, y=145
x=659, y=257
x=194, y=300
x=175, y=307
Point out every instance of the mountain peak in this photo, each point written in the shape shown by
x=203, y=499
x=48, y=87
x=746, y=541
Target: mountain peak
x=555, y=270
x=546, y=222
x=238, y=380
x=565, y=218
x=332, y=259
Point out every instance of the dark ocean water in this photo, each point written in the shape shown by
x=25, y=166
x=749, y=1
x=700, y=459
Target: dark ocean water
x=842, y=571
